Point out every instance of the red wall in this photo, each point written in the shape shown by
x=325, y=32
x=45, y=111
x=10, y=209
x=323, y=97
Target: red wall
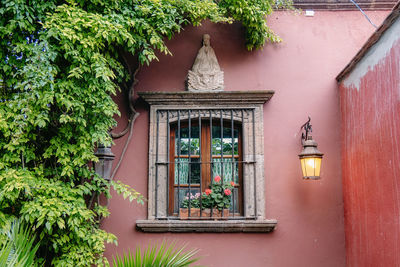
x=370, y=106
x=302, y=72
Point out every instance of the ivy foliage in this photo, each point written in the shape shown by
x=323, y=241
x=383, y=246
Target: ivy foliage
x=60, y=63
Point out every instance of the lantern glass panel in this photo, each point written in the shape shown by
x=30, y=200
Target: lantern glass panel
x=103, y=168
x=311, y=166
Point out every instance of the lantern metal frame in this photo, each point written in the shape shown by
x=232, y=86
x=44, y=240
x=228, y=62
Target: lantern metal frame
x=310, y=151
x=104, y=166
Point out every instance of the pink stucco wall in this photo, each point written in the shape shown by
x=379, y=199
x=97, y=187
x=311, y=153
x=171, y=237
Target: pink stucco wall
x=370, y=106
x=301, y=70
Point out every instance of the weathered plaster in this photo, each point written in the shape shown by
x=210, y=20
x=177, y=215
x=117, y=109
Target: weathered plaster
x=375, y=54
x=370, y=132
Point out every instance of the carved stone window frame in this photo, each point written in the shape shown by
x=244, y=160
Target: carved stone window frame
x=253, y=219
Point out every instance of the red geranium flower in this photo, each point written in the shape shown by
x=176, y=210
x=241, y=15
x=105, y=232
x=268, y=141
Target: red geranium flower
x=227, y=192
x=217, y=178
x=232, y=183
x=208, y=191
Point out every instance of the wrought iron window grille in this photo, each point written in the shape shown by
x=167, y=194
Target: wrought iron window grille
x=223, y=120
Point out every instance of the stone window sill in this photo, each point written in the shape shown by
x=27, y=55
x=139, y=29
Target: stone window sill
x=203, y=226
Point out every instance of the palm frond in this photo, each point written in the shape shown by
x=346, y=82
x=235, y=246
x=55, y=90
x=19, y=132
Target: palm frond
x=19, y=249
x=167, y=255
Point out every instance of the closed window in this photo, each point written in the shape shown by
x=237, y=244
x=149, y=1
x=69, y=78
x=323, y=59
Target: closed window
x=206, y=149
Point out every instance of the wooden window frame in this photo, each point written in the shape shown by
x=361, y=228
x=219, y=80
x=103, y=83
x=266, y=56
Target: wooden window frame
x=205, y=156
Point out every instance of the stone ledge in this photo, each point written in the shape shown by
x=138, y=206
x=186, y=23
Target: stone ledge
x=202, y=226
x=207, y=98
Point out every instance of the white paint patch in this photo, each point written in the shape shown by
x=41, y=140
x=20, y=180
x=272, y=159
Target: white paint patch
x=310, y=13
x=376, y=53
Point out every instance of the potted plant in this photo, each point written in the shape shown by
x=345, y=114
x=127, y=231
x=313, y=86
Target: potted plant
x=218, y=198
x=194, y=206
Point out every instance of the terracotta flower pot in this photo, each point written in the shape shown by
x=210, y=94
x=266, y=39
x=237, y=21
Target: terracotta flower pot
x=205, y=213
x=184, y=213
x=220, y=214
x=216, y=214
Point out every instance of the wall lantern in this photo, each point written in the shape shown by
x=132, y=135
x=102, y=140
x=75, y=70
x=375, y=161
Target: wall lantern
x=104, y=166
x=310, y=157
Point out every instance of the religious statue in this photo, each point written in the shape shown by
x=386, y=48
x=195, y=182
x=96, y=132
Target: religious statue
x=206, y=74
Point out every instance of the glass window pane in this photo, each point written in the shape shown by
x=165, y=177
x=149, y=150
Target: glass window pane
x=226, y=141
x=230, y=170
x=183, y=169
x=195, y=171
x=194, y=141
x=234, y=201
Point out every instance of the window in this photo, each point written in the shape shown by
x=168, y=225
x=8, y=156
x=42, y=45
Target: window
x=200, y=149
x=194, y=137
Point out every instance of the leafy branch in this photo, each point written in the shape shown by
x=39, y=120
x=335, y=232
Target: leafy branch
x=127, y=192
